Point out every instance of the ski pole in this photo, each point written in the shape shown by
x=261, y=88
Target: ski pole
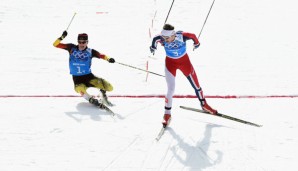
x=206, y=18
x=71, y=20
x=169, y=12
x=139, y=69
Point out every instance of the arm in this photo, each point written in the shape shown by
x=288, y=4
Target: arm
x=96, y=54
x=57, y=42
x=193, y=37
x=157, y=39
x=60, y=45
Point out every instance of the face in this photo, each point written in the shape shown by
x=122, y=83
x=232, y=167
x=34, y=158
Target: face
x=169, y=39
x=82, y=44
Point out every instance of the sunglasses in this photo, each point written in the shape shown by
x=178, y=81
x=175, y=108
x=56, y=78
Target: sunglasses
x=82, y=42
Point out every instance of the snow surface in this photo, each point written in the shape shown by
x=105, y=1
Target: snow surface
x=247, y=48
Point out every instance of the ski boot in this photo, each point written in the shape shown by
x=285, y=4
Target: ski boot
x=208, y=109
x=167, y=120
x=105, y=98
x=95, y=102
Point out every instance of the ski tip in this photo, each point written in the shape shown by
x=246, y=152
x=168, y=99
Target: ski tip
x=253, y=124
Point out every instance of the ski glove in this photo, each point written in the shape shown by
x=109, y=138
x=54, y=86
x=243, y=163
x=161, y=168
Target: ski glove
x=152, y=49
x=64, y=34
x=111, y=60
x=195, y=46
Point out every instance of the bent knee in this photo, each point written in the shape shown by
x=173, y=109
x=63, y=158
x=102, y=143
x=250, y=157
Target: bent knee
x=81, y=88
x=102, y=84
x=109, y=88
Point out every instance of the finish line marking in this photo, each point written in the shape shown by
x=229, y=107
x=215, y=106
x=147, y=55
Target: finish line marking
x=158, y=96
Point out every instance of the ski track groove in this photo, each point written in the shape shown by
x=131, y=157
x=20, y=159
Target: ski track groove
x=153, y=144
x=165, y=155
x=117, y=158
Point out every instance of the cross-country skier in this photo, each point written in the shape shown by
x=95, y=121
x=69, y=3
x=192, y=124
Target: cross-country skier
x=80, y=59
x=174, y=44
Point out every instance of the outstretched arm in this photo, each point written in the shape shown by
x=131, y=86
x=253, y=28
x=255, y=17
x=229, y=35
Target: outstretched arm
x=95, y=53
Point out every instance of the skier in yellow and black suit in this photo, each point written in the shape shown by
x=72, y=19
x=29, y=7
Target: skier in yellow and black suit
x=80, y=60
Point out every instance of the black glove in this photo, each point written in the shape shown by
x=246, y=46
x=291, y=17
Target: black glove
x=112, y=60
x=64, y=34
x=195, y=46
x=152, y=49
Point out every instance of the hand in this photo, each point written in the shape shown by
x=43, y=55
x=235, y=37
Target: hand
x=196, y=46
x=64, y=34
x=111, y=60
x=152, y=49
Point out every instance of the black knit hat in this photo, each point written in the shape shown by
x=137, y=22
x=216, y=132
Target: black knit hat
x=83, y=36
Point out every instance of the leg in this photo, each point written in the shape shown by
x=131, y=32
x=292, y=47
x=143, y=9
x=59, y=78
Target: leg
x=170, y=79
x=192, y=78
x=103, y=86
x=189, y=72
x=105, y=98
x=170, y=72
x=191, y=75
x=82, y=89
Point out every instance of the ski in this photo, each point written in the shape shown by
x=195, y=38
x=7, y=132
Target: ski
x=107, y=102
x=161, y=132
x=104, y=107
x=100, y=105
x=222, y=116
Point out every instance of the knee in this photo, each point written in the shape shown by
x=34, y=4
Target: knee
x=171, y=91
x=105, y=85
x=109, y=88
x=101, y=84
x=81, y=88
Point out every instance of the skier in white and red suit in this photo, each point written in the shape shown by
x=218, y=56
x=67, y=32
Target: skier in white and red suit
x=174, y=44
